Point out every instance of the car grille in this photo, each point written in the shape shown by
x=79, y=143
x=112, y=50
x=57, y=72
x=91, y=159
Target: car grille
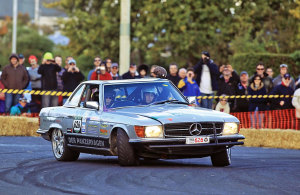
x=182, y=129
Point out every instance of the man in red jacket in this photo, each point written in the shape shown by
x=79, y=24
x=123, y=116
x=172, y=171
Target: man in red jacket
x=101, y=73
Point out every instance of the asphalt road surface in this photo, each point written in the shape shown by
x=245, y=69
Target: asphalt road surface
x=27, y=166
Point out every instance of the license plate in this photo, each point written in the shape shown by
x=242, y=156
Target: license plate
x=197, y=140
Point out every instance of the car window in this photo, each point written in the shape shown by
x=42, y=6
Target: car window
x=139, y=94
x=91, y=93
x=74, y=101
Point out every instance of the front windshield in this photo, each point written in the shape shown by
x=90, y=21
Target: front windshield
x=135, y=94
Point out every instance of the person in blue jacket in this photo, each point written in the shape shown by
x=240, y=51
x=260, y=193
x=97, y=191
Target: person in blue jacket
x=20, y=108
x=188, y=85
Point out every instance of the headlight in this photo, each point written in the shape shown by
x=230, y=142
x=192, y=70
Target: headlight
x=230, y=128
x=153, y=131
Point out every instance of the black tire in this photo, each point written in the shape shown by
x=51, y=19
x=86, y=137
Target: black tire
x=221, y=159
x=59, y=147
x=126, y=153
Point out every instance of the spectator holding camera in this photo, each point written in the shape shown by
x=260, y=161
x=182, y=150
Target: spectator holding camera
x=48, y=71
x=101, y=73
x=207, y=73
x=188, y=85
x=97, y=62
x=72, y=77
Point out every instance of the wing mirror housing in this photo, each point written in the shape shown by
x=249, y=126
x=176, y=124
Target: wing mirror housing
x=92, y=105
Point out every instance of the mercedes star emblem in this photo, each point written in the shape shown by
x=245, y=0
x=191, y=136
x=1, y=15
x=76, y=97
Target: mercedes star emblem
x=195, y=129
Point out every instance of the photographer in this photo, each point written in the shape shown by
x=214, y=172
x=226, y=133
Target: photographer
x=48, y=71
x=101, y=73
x=72, y=77
x=188, y=85
x=207, y=73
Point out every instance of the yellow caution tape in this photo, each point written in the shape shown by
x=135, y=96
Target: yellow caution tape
x=61, y=93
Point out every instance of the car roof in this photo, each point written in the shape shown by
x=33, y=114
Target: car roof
x=143, y=80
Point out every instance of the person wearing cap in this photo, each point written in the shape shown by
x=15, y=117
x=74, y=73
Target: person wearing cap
x=21, y=59
x=206, y=77
x=283, y=89
x=227, y=83
x=132, y=73
x=278, y=80
x=241, y=104
x=48, y=70
x=71, y=78
x=101, y=73
x=173, y=74
x=97, y=62
x=114, y=72
x=35, y=79
x=260, y=70
x=20, y=109
x=14, y=76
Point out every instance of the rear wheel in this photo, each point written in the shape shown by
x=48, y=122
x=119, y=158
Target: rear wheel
x=59, y=147
x=126, y=153
x=221, y=159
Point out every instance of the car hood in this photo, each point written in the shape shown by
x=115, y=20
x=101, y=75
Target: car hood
x=170, y=113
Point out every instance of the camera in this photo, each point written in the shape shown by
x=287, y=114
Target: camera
x=190, y=74
x=73, y=69
x=98, y=71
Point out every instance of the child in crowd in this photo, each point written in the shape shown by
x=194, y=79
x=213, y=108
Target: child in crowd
x=223, y=105
x=188, y=85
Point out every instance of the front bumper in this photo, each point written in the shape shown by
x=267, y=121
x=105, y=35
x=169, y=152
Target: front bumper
x=177, y=147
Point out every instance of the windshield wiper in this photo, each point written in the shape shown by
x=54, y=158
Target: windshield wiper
x=169, y=101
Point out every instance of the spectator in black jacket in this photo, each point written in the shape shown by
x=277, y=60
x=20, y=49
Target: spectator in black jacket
x=72, y=77
x=173, y=76
x=206, y=77
x=132, y=73
x=256, y=104
x=283, y=89
x=49, y=82
x=242, y=104
x=227, y=83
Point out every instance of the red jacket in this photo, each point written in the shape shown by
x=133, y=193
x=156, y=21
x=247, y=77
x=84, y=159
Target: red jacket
x=102, y=77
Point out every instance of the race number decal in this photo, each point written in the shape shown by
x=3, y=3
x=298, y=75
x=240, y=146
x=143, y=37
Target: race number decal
x=76, y=126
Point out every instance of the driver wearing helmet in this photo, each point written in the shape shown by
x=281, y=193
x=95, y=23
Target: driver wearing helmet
x=160, y=72
x=109, y=98
x=149, y=95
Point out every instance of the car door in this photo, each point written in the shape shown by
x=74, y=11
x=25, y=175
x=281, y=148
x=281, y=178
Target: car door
x=84, y=129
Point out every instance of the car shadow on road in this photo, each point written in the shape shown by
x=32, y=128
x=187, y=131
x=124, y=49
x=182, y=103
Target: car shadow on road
x=113, y=161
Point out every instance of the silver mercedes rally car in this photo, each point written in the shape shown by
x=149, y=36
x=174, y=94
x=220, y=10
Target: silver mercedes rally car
x=141, y=118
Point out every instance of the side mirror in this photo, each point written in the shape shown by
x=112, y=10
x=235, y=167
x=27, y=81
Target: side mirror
x=192, y=99
x=92, y=105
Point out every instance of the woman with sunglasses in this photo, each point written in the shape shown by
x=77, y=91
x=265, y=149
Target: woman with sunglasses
x=256, y=104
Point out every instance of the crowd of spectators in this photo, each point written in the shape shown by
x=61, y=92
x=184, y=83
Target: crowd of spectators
x=205, y=79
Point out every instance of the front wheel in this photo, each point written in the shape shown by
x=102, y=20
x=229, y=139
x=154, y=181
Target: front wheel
x=126, y=153
x=59, y=147
x=221, y=159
